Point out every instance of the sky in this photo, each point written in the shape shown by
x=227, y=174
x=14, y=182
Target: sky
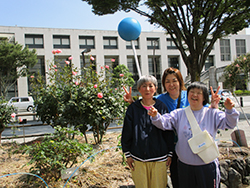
x=70, y=14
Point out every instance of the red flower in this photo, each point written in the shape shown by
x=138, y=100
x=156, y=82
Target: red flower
x=100, y=95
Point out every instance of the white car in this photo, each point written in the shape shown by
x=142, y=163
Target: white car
x=22, y=103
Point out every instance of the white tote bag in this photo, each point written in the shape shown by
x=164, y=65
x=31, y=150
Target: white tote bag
x=202, y=142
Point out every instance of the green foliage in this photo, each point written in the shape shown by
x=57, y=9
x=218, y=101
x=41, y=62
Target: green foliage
x=240, y=66
x=14, y=63
x=242, y=92
x=55, y=152
x=119, y=145
x=194, y=26
x=5, y=115
x=94, y=99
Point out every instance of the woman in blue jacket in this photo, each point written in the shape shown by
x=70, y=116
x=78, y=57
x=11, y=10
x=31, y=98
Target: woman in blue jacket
x=146, y=147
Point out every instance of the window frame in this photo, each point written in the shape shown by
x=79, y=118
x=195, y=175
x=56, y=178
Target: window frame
x=61, y=45
x=152, y=46
x=86, y=38
x=110, y=46
x=34, y=37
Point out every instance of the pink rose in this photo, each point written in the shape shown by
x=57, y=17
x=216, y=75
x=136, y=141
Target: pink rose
x=58, y=51
x=20, y=119
x=67, y=62
x=113, y=60
x=77, y=83
x=100, y=95
x=53, y=52
x=107, y=67
x=237, y=65
x=32, y=76
x=115, y=88
x=13, y=115
x=95, y=86
x=49, y=68
x=54, y=66
x=70, y=58
x=74, y=73
x=121, y=75
x=230, y=75
x=101, y=67
x=92, y=58
x=56, y=70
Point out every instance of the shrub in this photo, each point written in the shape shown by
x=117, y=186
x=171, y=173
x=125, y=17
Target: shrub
x=55, y=152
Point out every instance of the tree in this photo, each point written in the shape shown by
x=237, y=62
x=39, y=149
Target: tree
x=15, y=62
x=193, y=25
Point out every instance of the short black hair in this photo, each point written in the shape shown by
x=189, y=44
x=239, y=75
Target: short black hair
x=203, y=87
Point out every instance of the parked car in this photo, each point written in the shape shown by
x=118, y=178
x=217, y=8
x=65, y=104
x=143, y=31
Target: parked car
x=22, y=103
x=224, y=94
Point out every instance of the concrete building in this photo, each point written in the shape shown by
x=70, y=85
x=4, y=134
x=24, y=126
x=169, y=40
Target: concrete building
x=106, y=45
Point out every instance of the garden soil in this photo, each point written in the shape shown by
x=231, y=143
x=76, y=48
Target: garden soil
x=105, y=170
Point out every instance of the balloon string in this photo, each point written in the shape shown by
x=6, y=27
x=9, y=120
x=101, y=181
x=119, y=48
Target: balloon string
x=136, y=59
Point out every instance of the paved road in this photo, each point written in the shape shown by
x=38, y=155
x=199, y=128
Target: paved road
x=243, y=124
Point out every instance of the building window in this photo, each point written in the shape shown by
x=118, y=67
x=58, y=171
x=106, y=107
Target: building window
x=173, y=61
x=225, y=50
x=37, y=69
x=155, y=68
x=153, y=43
x=131, y=64
x=170, y=44
x=129, y=44
x=209, y=62
x=34, y=41
x=110, y=43
x=61, y=41
x=86, y=42
x=240, y=47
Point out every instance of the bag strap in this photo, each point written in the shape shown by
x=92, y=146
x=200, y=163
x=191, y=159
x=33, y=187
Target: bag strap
x=192, y=121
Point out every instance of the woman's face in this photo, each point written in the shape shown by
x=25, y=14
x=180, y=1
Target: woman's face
x=195, y=98
x=172, y=86
x=147, y=90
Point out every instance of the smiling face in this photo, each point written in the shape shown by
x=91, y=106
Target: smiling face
x=147, y=90
x=195, y=98
x=172, y=86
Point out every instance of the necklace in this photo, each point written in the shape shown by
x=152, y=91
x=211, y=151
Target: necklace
x=147, y=105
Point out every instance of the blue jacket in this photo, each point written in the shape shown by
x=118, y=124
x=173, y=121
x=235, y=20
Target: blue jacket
x=141, y=140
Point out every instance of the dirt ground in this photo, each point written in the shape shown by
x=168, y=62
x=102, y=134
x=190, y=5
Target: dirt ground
x=105, y=171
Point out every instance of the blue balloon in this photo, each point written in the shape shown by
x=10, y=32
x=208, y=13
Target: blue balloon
x=129, y=29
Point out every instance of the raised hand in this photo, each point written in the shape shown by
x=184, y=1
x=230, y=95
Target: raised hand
x=215, y=99
x=128, y=96
x=152, y=111
x=229, y=104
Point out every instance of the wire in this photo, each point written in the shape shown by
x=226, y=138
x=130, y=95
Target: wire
x=6, y=175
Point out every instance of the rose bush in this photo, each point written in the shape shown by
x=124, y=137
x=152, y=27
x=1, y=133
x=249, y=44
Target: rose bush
x=84, y=101
x=6, y=115
x=237, y=70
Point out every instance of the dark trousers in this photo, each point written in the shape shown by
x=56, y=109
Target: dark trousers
x=174, y=171
x=203, y=176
